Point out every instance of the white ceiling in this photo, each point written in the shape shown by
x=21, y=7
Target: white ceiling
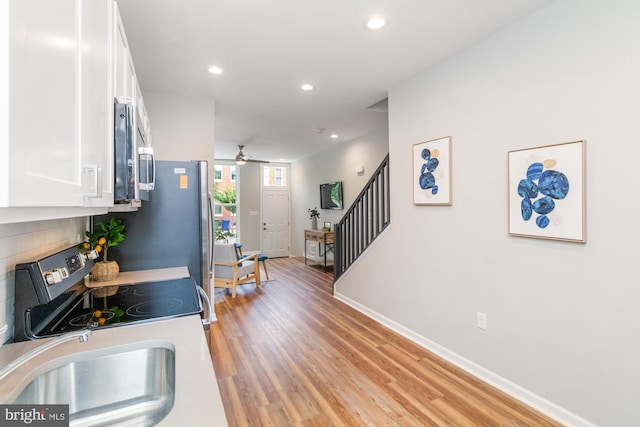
x=269, y=48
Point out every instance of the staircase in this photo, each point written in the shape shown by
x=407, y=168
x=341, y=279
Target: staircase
x=367, y=217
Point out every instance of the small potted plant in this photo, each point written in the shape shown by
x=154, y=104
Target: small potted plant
x=314, y=215
x=223, y=235
x=106, y=234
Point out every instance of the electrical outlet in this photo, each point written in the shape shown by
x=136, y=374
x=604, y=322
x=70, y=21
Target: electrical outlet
x=482, y=321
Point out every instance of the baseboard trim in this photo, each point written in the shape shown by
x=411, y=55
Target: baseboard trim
x=514, y=390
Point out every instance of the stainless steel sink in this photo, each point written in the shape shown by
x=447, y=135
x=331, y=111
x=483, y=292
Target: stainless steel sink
x=134, y=387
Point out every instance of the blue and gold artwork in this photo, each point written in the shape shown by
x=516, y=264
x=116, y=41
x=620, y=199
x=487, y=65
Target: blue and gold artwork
x=427, y=179
x=540, y=191
x=431, y=179
x=547, y=192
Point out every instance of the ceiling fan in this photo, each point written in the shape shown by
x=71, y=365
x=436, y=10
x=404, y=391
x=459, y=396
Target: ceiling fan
x=242, y=158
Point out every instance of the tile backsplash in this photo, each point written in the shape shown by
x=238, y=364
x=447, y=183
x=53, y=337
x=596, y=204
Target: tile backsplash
x=28, y=241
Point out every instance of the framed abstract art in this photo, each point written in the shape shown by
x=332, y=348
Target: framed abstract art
x=432, y=172
x=547, y=192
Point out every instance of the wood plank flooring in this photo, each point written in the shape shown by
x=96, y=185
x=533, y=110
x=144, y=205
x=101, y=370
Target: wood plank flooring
x=288, y=354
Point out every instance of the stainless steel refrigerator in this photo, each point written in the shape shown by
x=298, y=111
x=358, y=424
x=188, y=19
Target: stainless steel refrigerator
x=172, y=228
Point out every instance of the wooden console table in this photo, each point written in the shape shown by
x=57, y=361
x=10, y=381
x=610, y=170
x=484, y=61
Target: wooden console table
x=325, y=241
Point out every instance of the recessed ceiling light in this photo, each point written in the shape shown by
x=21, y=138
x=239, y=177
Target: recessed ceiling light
x=334, y=136
x=215, y=70
x=306, y=86
x=376, y=22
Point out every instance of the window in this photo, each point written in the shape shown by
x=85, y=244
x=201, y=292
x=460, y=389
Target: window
x=225, y=208
x=278, y=172
x=275, y=176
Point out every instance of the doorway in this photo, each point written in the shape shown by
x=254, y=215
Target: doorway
x=275, y=210
x=225, y=209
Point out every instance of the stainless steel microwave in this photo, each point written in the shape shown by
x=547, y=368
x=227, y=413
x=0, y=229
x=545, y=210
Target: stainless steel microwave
x=133, y=158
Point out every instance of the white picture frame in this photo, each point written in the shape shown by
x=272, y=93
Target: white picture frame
x=432, y=172
x=547, y=192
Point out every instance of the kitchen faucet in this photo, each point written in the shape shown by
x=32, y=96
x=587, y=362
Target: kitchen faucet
x=82, y=335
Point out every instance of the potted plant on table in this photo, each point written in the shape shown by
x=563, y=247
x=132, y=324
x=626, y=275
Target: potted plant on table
x=314, y=215
x=106, y=234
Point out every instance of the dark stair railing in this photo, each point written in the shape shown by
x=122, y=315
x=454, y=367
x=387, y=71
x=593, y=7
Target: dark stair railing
x=367, y=217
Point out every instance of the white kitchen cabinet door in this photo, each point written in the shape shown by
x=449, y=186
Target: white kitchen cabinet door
x=126, y=87
x=143, y=118
x=124, y=71
x=97, y=100
x=51, y=152
x=44, y=161
x=120, y=52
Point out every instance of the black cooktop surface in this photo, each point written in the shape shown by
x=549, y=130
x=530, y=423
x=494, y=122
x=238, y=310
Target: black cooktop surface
x=140, y=302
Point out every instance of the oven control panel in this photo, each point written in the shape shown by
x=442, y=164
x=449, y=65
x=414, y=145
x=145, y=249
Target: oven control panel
x=75, y=263
x=40, y=282
x=57, y=274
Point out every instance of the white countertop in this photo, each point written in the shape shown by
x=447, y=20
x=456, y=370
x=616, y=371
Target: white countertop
x=197, y=397
x=130, y=277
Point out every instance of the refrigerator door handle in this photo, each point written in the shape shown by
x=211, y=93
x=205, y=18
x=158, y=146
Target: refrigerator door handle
x=206, y=322
x=211, y=232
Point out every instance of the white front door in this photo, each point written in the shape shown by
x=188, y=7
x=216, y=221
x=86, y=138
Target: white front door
x=275, y=223
x=275, y=210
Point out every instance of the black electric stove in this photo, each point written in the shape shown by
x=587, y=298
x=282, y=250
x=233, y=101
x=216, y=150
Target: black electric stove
x=130, y=304
x=50, y=299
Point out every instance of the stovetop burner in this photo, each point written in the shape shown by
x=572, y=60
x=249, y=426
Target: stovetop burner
x=84, y=319
x=155, y=308
x=169, y=288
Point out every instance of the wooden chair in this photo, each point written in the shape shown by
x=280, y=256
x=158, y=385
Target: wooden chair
x=261, y=258
x=229, y=271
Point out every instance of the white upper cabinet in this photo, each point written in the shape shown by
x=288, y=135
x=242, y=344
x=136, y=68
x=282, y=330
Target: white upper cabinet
x=124, y=72
x=144, y=128
x=125, y=81
x=56, y=108
x=97, y=99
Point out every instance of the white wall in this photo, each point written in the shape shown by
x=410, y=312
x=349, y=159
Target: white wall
x=28, y=241
x=563, y=318
x=182, y=127
x=248, y=196
x=335, y=164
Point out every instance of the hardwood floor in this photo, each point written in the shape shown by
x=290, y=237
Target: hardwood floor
x=289, y=354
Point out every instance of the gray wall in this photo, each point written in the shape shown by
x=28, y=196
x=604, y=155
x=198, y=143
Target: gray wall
x=563, y=318
x=335, y=164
